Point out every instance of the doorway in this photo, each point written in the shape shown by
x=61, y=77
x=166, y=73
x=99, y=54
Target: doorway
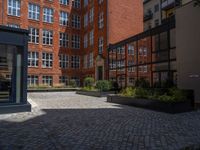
x=100, y=73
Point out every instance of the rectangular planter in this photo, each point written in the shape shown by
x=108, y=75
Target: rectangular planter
x=53, y=90
x=152, y=104
x=94, y=93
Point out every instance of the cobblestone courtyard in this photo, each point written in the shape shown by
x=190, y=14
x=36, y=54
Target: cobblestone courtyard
x=66, y=121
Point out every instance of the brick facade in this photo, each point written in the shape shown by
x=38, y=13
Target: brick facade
x=121, y=20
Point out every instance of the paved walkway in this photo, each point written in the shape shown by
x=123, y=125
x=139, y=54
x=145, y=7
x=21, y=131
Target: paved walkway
x=66, y=121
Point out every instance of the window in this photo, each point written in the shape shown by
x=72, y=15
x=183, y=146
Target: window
x=131, y=80
x=75, y=62
x=32, y=80
x=156, y=22
x=91, y=16
x=48, y=15
x=64, y=2
x=85, y=61
x=33, y=11
x=143, y=68
x=112, y=64
x=101, y=20
x=33, y=58
x=88, y=60
x=100, y=1
x=14, y=7
x=131, y=63
x=91, y=60
x=64, y=40
x=47, y=80
x=145, y=51
x=76, y=21
x=91, y=37
x=121, y=50
x=100, y=45
x=130, y=49
x=75, y=41
x=13, y=25
x=33, y=35
x=85, y=3
x=47, y=60
x=156, y=8
x=86, y=40
x=120, y=65
x=141, y=51
x=63, y=80
x=47, y=37
x=64, y=18
x=86, y=20
x=76, y=3
x=64, y=61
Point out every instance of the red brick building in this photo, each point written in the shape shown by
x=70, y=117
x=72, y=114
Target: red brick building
x=69, y=38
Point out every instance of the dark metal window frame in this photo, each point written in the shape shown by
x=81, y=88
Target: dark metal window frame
x=19, y=38
x=166, y=27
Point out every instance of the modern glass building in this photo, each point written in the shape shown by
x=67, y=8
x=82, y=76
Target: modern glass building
x=13, y=70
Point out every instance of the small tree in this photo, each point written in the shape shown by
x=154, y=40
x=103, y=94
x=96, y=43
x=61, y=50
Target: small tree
x=89, y=82
x=103, y=85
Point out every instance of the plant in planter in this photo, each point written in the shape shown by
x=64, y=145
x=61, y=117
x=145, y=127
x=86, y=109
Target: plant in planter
x=103, y=85
x=129, y=91
x=88, y=84
x=142, y=83
x=135, y=92
x=72, y=83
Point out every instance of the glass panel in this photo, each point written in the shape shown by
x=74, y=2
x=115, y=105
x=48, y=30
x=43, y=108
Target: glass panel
x=163, y=41
x=10, y=73
x=18, y=78
x=6, y=72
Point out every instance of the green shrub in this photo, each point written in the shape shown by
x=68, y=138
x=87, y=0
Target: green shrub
x=166, y=98
x=129, y=91
x=141, y=93
x=177, y=94
x=88, y=89
x=142, y=83
x=103, y=85
x=89, y=82
x=72, y=83
x=174, y=95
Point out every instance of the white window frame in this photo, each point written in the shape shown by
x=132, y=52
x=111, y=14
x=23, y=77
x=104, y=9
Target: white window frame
x=47, y=37
x=14, y=7
x=64, y=61
x=33, y=11
x=33, y=59
x=64, y=18
x=34, y=35
x=48, y=14
x=47, y=60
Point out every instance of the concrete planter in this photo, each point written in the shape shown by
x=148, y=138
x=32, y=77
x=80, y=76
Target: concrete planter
x=53, y=90
x=177, y=107
x=94, y=93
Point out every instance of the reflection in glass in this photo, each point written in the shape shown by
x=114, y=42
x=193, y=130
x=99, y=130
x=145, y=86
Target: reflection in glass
x=6, y=72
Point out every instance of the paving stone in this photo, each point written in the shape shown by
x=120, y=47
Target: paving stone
x=66, y=121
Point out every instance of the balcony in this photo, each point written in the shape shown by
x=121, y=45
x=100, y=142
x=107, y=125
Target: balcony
x=148, y=16
x=168, y=4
